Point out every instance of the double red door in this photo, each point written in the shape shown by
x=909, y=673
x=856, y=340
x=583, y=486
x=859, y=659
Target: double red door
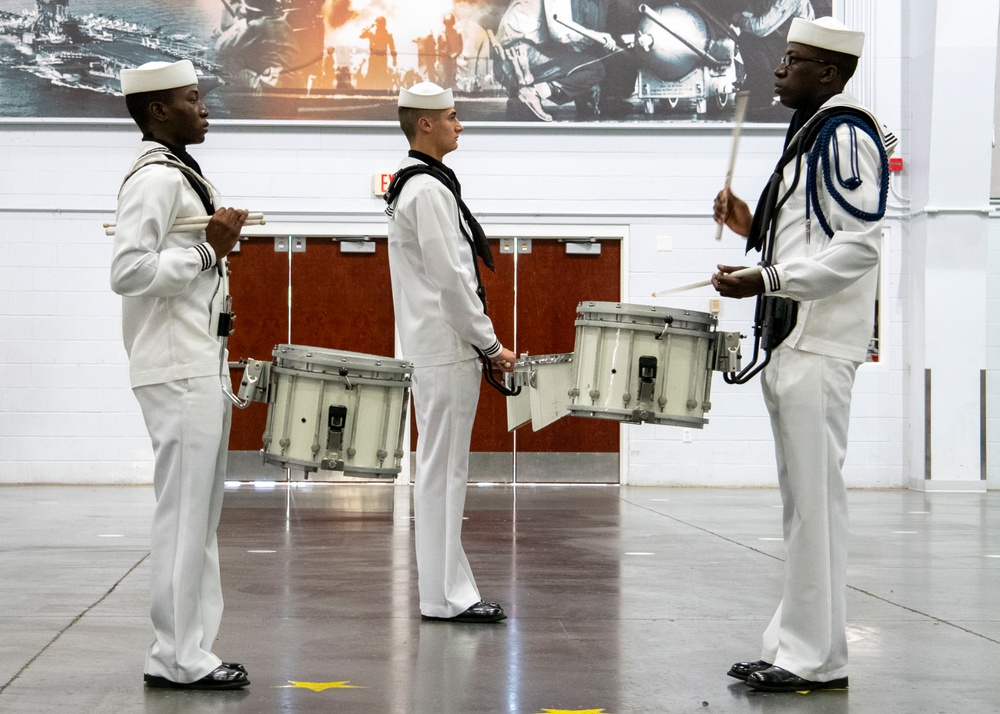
x=328, y=297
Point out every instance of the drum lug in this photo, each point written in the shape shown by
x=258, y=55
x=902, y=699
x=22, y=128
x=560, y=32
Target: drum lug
x=640, y=415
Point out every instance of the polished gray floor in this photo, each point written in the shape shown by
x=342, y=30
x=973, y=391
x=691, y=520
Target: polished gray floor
x=622, y=600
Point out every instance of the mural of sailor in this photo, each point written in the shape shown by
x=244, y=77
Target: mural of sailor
x=552, y=61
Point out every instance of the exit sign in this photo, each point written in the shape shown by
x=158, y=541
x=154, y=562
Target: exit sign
x=380, y=184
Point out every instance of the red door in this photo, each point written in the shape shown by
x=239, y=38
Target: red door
x=340, y=300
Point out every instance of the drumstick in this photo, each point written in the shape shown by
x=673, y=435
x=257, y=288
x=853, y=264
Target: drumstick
x=704, y=283
x=740, y=112
x=199, y=220
x=191, y=223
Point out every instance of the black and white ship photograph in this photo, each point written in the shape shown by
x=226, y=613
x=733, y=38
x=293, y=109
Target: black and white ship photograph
x=539, y=61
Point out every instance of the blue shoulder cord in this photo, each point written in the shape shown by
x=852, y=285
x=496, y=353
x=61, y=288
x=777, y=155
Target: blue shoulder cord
x=826, y=136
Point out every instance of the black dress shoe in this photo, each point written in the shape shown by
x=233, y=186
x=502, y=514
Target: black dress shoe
x=742, y=670
x=776, y=679
x=479, y=613
x=235, y=665
x=222, y=677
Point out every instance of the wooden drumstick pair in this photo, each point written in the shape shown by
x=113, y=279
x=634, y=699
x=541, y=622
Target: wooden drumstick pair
x=193, y=223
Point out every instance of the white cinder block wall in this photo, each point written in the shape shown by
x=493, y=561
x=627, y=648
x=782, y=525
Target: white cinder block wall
x=67, y=414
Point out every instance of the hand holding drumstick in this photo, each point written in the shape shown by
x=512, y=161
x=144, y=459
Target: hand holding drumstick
x=505, y=360
x=735, y=281
x=732, y=212
x=223, y=230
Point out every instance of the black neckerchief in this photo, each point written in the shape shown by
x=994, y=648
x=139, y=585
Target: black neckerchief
x=475, y=235
x=185, y=158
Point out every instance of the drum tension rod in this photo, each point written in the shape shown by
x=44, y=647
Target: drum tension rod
x=667, y=322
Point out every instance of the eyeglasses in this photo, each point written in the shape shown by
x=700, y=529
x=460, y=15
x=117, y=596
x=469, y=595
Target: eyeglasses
x=792, y=60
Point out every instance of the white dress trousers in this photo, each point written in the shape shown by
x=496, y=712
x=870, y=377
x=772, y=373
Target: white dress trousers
x=809, y=399
x=445, y=398
x=188, y=422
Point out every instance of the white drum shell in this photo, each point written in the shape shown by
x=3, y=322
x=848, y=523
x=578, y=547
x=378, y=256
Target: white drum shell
x=610, y=339
x=307, y=381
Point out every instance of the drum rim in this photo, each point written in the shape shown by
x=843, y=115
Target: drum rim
x=313, y=466
x=553, y=358
x=338, y=358
x=625, y=416
x=624, y=308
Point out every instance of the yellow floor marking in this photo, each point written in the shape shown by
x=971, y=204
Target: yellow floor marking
x=318, y=686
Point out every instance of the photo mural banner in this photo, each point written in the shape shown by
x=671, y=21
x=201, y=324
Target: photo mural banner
x=559, y=61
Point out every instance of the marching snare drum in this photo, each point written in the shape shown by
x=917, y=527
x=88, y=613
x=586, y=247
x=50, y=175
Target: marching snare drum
x=644, y=363
x=336, y=410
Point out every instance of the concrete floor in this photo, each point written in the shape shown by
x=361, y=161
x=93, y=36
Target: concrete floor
x=621, y=600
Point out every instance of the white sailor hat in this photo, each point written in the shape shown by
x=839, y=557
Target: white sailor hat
x=155, y=76
x=828, y=34
x=426, y=95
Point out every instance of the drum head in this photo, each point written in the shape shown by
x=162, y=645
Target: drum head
x=625, y=314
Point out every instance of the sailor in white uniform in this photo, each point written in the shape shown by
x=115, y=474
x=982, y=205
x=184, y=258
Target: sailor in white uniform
x=823, y=214
x=444, y=330
x=172, y=283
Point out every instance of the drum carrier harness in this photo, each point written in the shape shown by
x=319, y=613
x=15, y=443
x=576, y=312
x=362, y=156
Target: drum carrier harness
x=474, y=236
x=775, y=317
